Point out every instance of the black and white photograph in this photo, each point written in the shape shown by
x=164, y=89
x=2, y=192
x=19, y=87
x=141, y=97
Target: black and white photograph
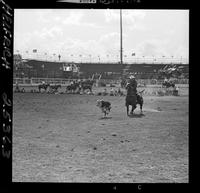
x=100, y=96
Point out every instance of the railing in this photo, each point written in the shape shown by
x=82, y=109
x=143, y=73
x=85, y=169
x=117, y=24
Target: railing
x=40, y=80
x=158, y=82
x=35, y=81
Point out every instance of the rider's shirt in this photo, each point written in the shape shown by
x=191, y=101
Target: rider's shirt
x=133, y=84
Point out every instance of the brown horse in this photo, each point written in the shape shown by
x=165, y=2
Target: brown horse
x=131, y=98
x=87, y=85
x=43, y=86
x=54, y=88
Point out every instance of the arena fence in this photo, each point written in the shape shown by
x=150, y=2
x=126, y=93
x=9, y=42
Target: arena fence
x=36, y=81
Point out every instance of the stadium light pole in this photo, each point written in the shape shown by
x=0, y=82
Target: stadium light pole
x=121, y=47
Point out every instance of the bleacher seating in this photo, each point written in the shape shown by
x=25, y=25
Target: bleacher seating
x=47, y=69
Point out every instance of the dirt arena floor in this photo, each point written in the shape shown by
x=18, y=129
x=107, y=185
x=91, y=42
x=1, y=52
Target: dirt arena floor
x=63, y=138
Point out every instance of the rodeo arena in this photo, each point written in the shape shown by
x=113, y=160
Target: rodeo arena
x=114, y=122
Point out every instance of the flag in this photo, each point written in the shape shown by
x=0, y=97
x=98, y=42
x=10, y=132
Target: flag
x=34, y=50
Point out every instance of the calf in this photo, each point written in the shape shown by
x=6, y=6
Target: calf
x=105, y=106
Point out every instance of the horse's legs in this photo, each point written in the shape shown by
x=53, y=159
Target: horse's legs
x=133, y=108
x=141, y=109
x=127, y=109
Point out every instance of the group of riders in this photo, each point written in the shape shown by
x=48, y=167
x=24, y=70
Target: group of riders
x=74, y=86
x=82, y=85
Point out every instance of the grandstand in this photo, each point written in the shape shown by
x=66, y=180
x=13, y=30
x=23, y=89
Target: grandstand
x=49, y=69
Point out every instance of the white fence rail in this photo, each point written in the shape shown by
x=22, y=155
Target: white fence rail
x=36, y=81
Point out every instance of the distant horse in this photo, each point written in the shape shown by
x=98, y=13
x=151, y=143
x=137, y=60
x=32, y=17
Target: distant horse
x=131, y=98
x=43, y=86
x=73, y=87
x=17, y=89
x=87, y=85
x=168, y=84
x=54, y=88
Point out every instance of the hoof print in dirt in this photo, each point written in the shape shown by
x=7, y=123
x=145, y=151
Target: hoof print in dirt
x=94, y=148
x=114, y=135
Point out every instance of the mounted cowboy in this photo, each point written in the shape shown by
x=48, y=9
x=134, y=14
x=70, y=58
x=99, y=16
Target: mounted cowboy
x=131, y=96
x=133, y=83
x=43, y=85
x=17, y=89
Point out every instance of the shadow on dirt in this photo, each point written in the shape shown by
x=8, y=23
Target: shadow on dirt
x=136, y=115
x=103, y=118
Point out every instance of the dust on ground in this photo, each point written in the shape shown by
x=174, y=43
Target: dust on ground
x=63, y=138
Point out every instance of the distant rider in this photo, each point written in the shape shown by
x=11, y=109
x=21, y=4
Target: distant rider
x=17, y=87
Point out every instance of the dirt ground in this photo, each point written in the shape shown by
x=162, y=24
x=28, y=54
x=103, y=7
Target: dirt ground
x=63, y=138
